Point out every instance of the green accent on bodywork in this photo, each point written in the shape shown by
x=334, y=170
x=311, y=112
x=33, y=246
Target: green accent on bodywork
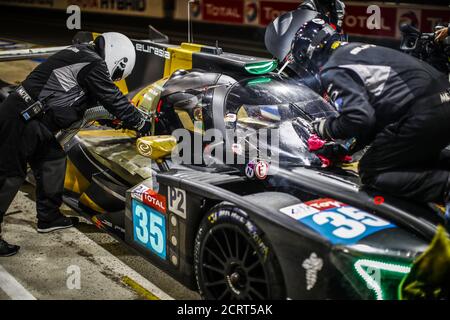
x=385, y=270
x=257, y=81
x=259, y=68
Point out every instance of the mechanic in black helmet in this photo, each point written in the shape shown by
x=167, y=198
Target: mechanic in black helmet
x=333, y=9
x=397, y=104
x=53, y=97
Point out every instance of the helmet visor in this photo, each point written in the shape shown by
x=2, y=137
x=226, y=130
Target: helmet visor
x=119, y=69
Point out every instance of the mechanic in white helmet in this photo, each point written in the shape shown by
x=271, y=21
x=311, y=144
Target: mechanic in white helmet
x=52, y=98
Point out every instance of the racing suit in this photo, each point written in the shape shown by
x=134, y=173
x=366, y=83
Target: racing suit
x=399, y=105
x=69, y=81
x=334, y=9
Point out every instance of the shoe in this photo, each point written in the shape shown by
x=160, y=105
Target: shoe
x=7, y=250
x=58, y=224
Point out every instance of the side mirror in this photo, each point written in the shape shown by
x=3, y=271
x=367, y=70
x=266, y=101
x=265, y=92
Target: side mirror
x=156, y=147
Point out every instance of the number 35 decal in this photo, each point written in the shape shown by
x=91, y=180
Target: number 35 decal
x=340, y=224
x=149, y=227
x=351, y=222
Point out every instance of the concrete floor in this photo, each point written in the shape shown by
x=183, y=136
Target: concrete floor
x=47, y=264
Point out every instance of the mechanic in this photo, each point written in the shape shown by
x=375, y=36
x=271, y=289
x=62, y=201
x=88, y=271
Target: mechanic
x=333, y=9
x=397, y=104
x=53, y=97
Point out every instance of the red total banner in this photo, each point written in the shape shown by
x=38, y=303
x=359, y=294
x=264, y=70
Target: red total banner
x=358, y=14
x=356, y=18
x=270, y=10
x=228, y=11
x=431, y=17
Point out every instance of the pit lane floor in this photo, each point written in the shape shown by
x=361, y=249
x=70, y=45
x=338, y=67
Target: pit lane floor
x=47, y=265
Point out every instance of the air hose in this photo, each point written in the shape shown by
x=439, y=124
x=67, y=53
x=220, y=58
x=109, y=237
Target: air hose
x=90, y=115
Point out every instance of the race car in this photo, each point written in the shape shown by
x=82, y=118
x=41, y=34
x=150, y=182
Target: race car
x=255, y=229
x=276, y=224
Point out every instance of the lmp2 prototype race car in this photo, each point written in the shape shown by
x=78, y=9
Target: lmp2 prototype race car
x=260, y=228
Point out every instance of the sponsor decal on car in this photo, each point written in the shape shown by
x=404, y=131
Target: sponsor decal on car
x=257, y=168
x=149, y=228
x=312, y=265
x=337, y=222
x=155, y=200
x=150, y=197
x=177, y=201
x=153, y=50
x=137, y=193
x=262, y=170
x=250, y=169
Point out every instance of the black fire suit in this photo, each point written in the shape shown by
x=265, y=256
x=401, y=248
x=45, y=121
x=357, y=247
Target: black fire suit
x=69, y=81
x=333, y=9
x=399, y=105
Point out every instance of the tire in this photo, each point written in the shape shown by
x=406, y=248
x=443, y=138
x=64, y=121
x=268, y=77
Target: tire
x=233, y=260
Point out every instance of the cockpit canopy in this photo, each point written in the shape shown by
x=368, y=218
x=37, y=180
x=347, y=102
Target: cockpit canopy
x=280, y=106
x=283, y=106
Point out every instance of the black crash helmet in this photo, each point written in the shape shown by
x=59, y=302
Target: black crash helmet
x=311, y=45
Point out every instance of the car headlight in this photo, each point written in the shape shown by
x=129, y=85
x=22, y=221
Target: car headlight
x=372, y=274
x=383, y=278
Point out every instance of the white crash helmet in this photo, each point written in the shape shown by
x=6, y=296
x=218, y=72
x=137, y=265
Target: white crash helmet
x=118, y=52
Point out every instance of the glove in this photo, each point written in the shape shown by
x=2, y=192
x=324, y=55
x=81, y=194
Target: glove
x=320, y=128
x=145, y=128
x=328, y=152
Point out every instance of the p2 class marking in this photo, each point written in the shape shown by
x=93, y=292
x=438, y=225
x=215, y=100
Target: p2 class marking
x=177, y=201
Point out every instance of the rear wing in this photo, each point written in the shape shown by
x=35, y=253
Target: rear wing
x=25, y=54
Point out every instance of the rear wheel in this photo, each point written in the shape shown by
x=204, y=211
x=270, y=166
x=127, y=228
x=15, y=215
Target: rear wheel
x=233, y=260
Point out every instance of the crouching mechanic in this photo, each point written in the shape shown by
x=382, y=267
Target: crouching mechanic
x=397, y=104
x=54, y=96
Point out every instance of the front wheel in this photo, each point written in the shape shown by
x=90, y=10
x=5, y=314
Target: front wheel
x=233, y=260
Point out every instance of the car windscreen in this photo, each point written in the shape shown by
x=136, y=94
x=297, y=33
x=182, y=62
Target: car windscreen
x=279, y=104
x=273, y=91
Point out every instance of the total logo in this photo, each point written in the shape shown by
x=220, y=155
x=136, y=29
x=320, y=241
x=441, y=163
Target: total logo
x=155, y=200
x=222, y=11
x=325, y=204
x=258, y=169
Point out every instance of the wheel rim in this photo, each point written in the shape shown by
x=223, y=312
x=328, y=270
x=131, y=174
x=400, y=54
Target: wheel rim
x=231, y=266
